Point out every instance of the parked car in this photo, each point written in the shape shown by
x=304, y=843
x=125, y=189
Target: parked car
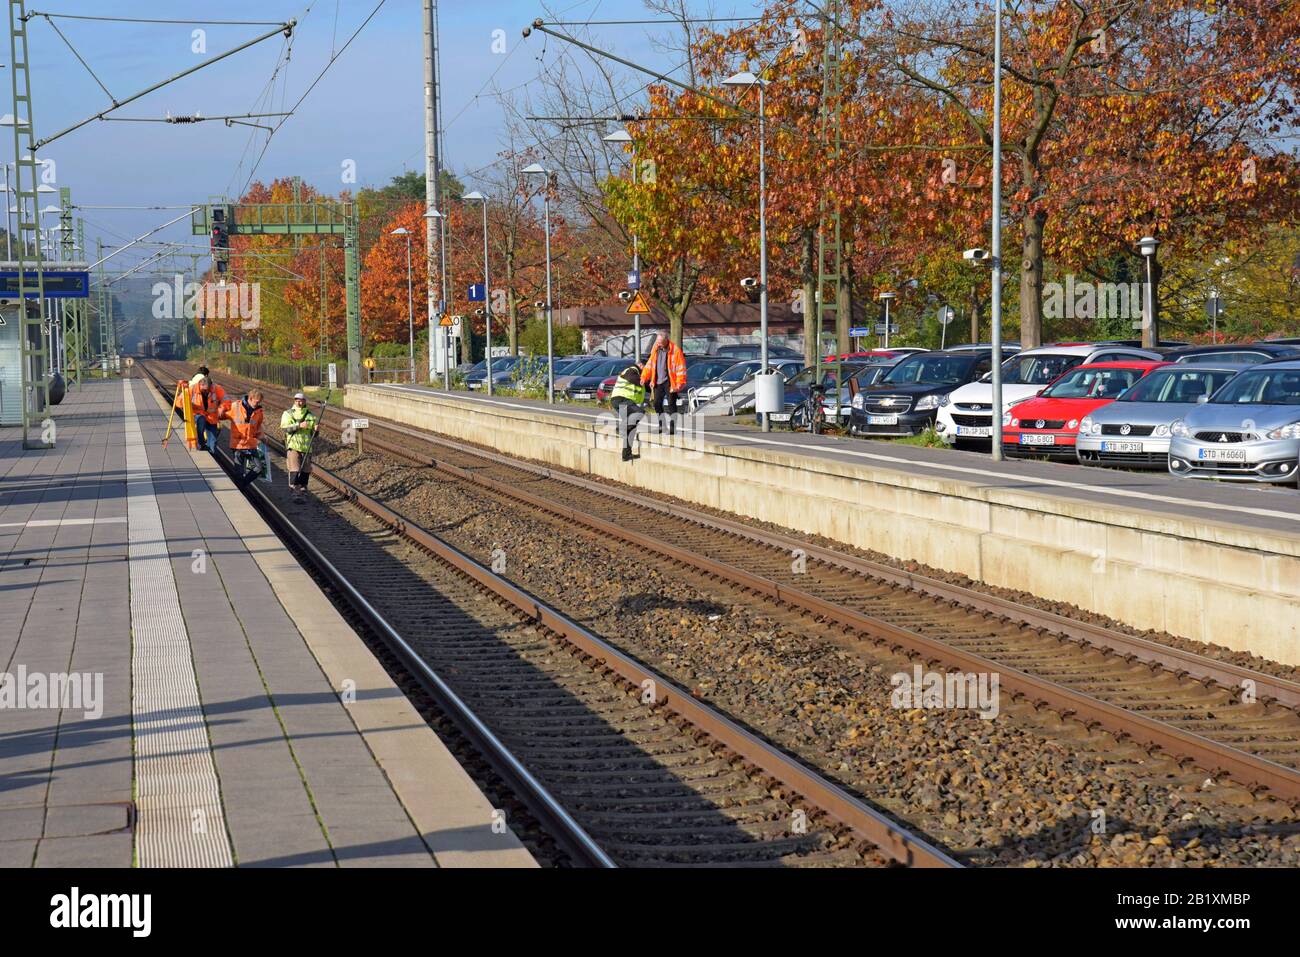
x=580, y=367
x=886, y=356
x=584, y=384
x=1007, y=347
x=1134, y=429
x=733, y=376
x=966, y=419
x=906, y=398
x=869, y=375
x=1048, y=424
x=745, y=350
x=501, y=366
x=1237, y=353
x=1248, y=431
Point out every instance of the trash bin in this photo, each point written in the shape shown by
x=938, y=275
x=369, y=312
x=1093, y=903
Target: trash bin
x=769, y=392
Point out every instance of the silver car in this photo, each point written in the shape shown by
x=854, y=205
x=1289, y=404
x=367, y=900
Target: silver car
x=1248, y=431
x=1134, y=429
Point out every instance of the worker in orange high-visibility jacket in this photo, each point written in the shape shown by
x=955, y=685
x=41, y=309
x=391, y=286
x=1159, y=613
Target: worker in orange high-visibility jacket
x=188, y=386
x=665, y=375
x=245, y=417
x=206, y=399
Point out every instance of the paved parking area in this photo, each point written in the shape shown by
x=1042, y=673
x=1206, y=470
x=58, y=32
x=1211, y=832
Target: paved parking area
x=170, y=677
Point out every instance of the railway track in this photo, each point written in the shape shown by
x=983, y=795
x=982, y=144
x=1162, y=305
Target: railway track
x=1222, y=717
x=624, y=766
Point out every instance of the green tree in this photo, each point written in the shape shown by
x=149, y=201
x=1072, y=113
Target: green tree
x=566, y=340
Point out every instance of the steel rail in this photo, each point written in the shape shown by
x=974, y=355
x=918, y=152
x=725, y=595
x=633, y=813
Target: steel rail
x=1179, y=661
x=889, y=836
x=868, y=823
x=1247, y=768
x=535, y=796
x=1241, y=765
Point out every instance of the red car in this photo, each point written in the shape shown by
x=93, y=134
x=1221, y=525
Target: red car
x=606, y=388
x=1048, y=424
x=873, y=355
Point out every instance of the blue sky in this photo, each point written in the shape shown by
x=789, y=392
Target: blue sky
x=368, y=107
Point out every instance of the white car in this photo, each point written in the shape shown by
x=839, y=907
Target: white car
x=731, y=383
x=966, y=414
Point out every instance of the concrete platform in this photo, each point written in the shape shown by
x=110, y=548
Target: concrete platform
x=1205, y=560
x=215, y=709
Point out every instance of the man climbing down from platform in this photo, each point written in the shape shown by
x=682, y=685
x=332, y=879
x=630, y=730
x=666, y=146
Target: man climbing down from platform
x=206, y=399
x=299, y=427
x=665, y=374
x=627, y=400
x=246, y=436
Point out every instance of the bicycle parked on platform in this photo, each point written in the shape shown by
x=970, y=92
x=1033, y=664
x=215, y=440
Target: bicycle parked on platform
x=810, y=414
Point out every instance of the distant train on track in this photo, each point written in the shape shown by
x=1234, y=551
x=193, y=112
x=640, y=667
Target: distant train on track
x=159, y=347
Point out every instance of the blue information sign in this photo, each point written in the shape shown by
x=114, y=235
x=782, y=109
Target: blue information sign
x=59, y=284
x=477, y=292
x=860, y=331
x=634, y=279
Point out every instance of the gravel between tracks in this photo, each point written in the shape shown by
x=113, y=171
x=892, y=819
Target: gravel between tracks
x=1242, y=659
x=1025, y=788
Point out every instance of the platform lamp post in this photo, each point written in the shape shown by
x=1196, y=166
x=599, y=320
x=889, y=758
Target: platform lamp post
x=9, y=252
x=51, y=252
x=1147, y=246
x=620, y=137
x=410, y=297
x=534, y=170
x=8, y=120
x=746, y=79
x=995, y=252
x=477, y=197
x=442, y=340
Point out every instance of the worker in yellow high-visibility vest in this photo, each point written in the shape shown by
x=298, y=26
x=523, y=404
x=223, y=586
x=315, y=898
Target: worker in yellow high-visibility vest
x=298, y=425
x=627, y=399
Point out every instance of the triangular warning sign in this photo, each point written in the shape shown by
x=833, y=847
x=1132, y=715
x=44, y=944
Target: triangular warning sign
x=639, y=306
x=446, y=320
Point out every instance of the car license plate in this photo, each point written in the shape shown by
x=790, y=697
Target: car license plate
x=1121, y=446
x=1222, y=455
x=475, y=385
x=1027, y=439
x=583, y=395
x=779, y=416
x=882, y=420
x=979, y=431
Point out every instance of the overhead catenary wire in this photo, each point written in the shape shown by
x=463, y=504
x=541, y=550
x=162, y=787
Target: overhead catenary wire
x=85, y=16
x=332, y=60
x=283, y=27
